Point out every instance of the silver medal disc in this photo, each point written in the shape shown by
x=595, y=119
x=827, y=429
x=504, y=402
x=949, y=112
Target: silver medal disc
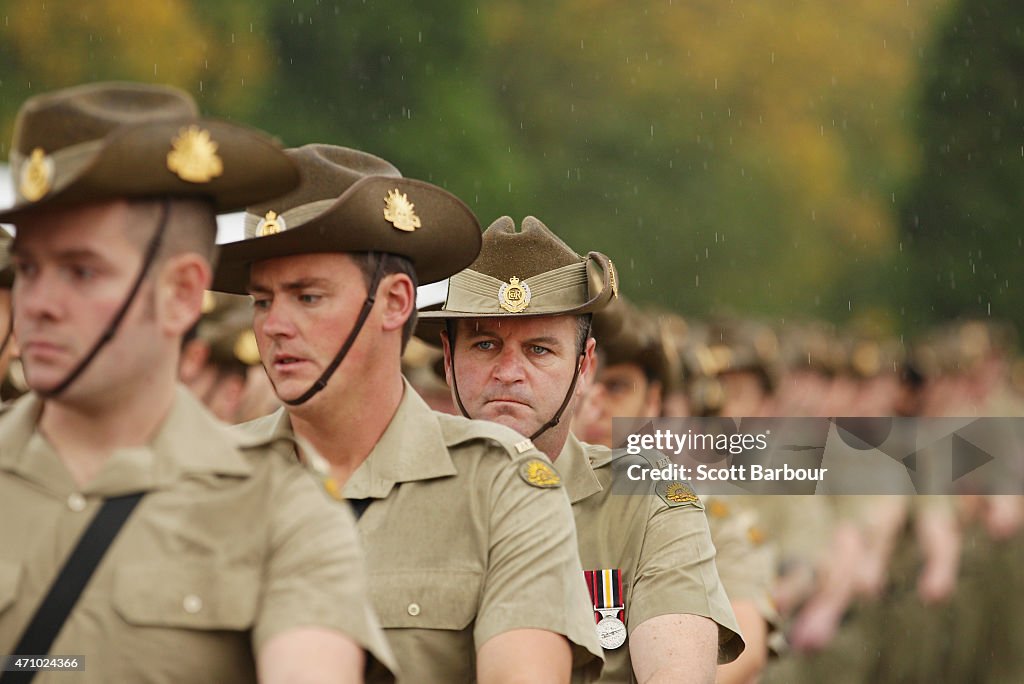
x=611, y=633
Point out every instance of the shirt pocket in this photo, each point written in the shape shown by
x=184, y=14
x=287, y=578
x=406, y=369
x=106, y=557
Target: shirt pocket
x=10, y=578
x=183, y=596
x=427, y=599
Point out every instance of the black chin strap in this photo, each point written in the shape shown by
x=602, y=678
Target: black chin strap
x=151, y=251
x=555, y=419
x=371, y=297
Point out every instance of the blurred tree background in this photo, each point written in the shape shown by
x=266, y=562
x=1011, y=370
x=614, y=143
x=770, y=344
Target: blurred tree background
x=859, y=162
x=962, y=213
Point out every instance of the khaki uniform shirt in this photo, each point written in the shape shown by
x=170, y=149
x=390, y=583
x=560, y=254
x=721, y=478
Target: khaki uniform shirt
x=746, y=562
x=460, y=548
x=232, y=544
x=664, y=553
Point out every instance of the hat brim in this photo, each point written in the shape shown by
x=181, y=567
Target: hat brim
x=132, y=162
x=430, y=320
x=447, y=241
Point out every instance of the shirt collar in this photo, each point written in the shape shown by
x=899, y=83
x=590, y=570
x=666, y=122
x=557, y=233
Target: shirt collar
x=573, y=464
x=412, y=448
x=190, y=441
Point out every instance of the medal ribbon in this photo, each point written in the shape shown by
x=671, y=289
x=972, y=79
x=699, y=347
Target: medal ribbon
x=605, y=588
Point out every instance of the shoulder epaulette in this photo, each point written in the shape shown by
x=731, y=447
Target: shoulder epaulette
x=458, y=430
x=533, y=466
x=654, y=459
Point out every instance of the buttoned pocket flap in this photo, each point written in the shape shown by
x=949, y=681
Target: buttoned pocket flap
x=10, y=578
x=429, y=599
x=189, y=597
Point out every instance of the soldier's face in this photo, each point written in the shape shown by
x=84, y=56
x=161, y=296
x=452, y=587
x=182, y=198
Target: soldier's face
x=75, y=267
x=305, y=306
x=619, y=391
x=517, y=371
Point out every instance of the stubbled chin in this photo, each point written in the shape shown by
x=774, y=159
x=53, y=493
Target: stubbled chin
x=505, y=415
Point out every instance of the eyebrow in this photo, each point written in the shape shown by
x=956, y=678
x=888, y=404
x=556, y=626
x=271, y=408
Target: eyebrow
x=292, y=286
x=549, y=340
x=64, y=255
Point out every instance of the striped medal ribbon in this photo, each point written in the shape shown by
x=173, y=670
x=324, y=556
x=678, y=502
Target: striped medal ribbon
x=609, y=606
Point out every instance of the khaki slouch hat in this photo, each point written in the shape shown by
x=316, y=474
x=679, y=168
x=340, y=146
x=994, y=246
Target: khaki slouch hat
x=531, y=272
x=352, y=201
x=122, y=140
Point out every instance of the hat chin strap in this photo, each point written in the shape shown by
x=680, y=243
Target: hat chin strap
x=555, y=419
x=364, y=313
x=151, y=250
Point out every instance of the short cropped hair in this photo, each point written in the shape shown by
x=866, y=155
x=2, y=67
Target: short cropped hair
x=191, y=226
x=389, y=264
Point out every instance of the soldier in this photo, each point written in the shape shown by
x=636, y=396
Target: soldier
x=7, y=346
x=468, y=533
x=218, y=354
x=631, y=373
x=635, y=365
x=423, y=367
x=234, y=564
x=517, y=342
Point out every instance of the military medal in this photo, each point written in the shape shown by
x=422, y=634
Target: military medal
x=609, y=606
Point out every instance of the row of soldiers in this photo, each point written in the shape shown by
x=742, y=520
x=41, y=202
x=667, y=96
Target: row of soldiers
x=353, y=534
x=482, y=547
x=683, y=367
x=653, y=363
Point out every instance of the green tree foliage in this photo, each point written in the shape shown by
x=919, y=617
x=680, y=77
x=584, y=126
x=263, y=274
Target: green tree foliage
x=962, y=216
x=735, y=155
x=405, y=80
x=57, y=43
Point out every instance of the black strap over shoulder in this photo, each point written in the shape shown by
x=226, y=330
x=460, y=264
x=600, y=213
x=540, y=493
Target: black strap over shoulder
x=72, y=579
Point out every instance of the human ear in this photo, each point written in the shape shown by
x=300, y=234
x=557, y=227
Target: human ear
x=588, y=368
x=180, y=287
x=446, y=344
x=398, y=296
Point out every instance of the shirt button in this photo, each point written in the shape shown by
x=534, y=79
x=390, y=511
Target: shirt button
x=76, y=502
x=413, y=609
x=192, y=604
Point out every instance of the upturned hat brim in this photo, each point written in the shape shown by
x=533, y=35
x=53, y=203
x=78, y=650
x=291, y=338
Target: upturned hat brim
x=602, y=287
x=133, y=162
x=447, y=241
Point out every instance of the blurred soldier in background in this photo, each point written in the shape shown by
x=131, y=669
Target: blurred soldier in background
x=8, y=347
x=423, y=367
x=633, y=367
x=218, y=354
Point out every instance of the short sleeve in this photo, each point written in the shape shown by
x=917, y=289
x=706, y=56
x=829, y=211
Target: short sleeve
x=314, y=572
x=676, y=574
x=534, y=578
x=745, y=561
